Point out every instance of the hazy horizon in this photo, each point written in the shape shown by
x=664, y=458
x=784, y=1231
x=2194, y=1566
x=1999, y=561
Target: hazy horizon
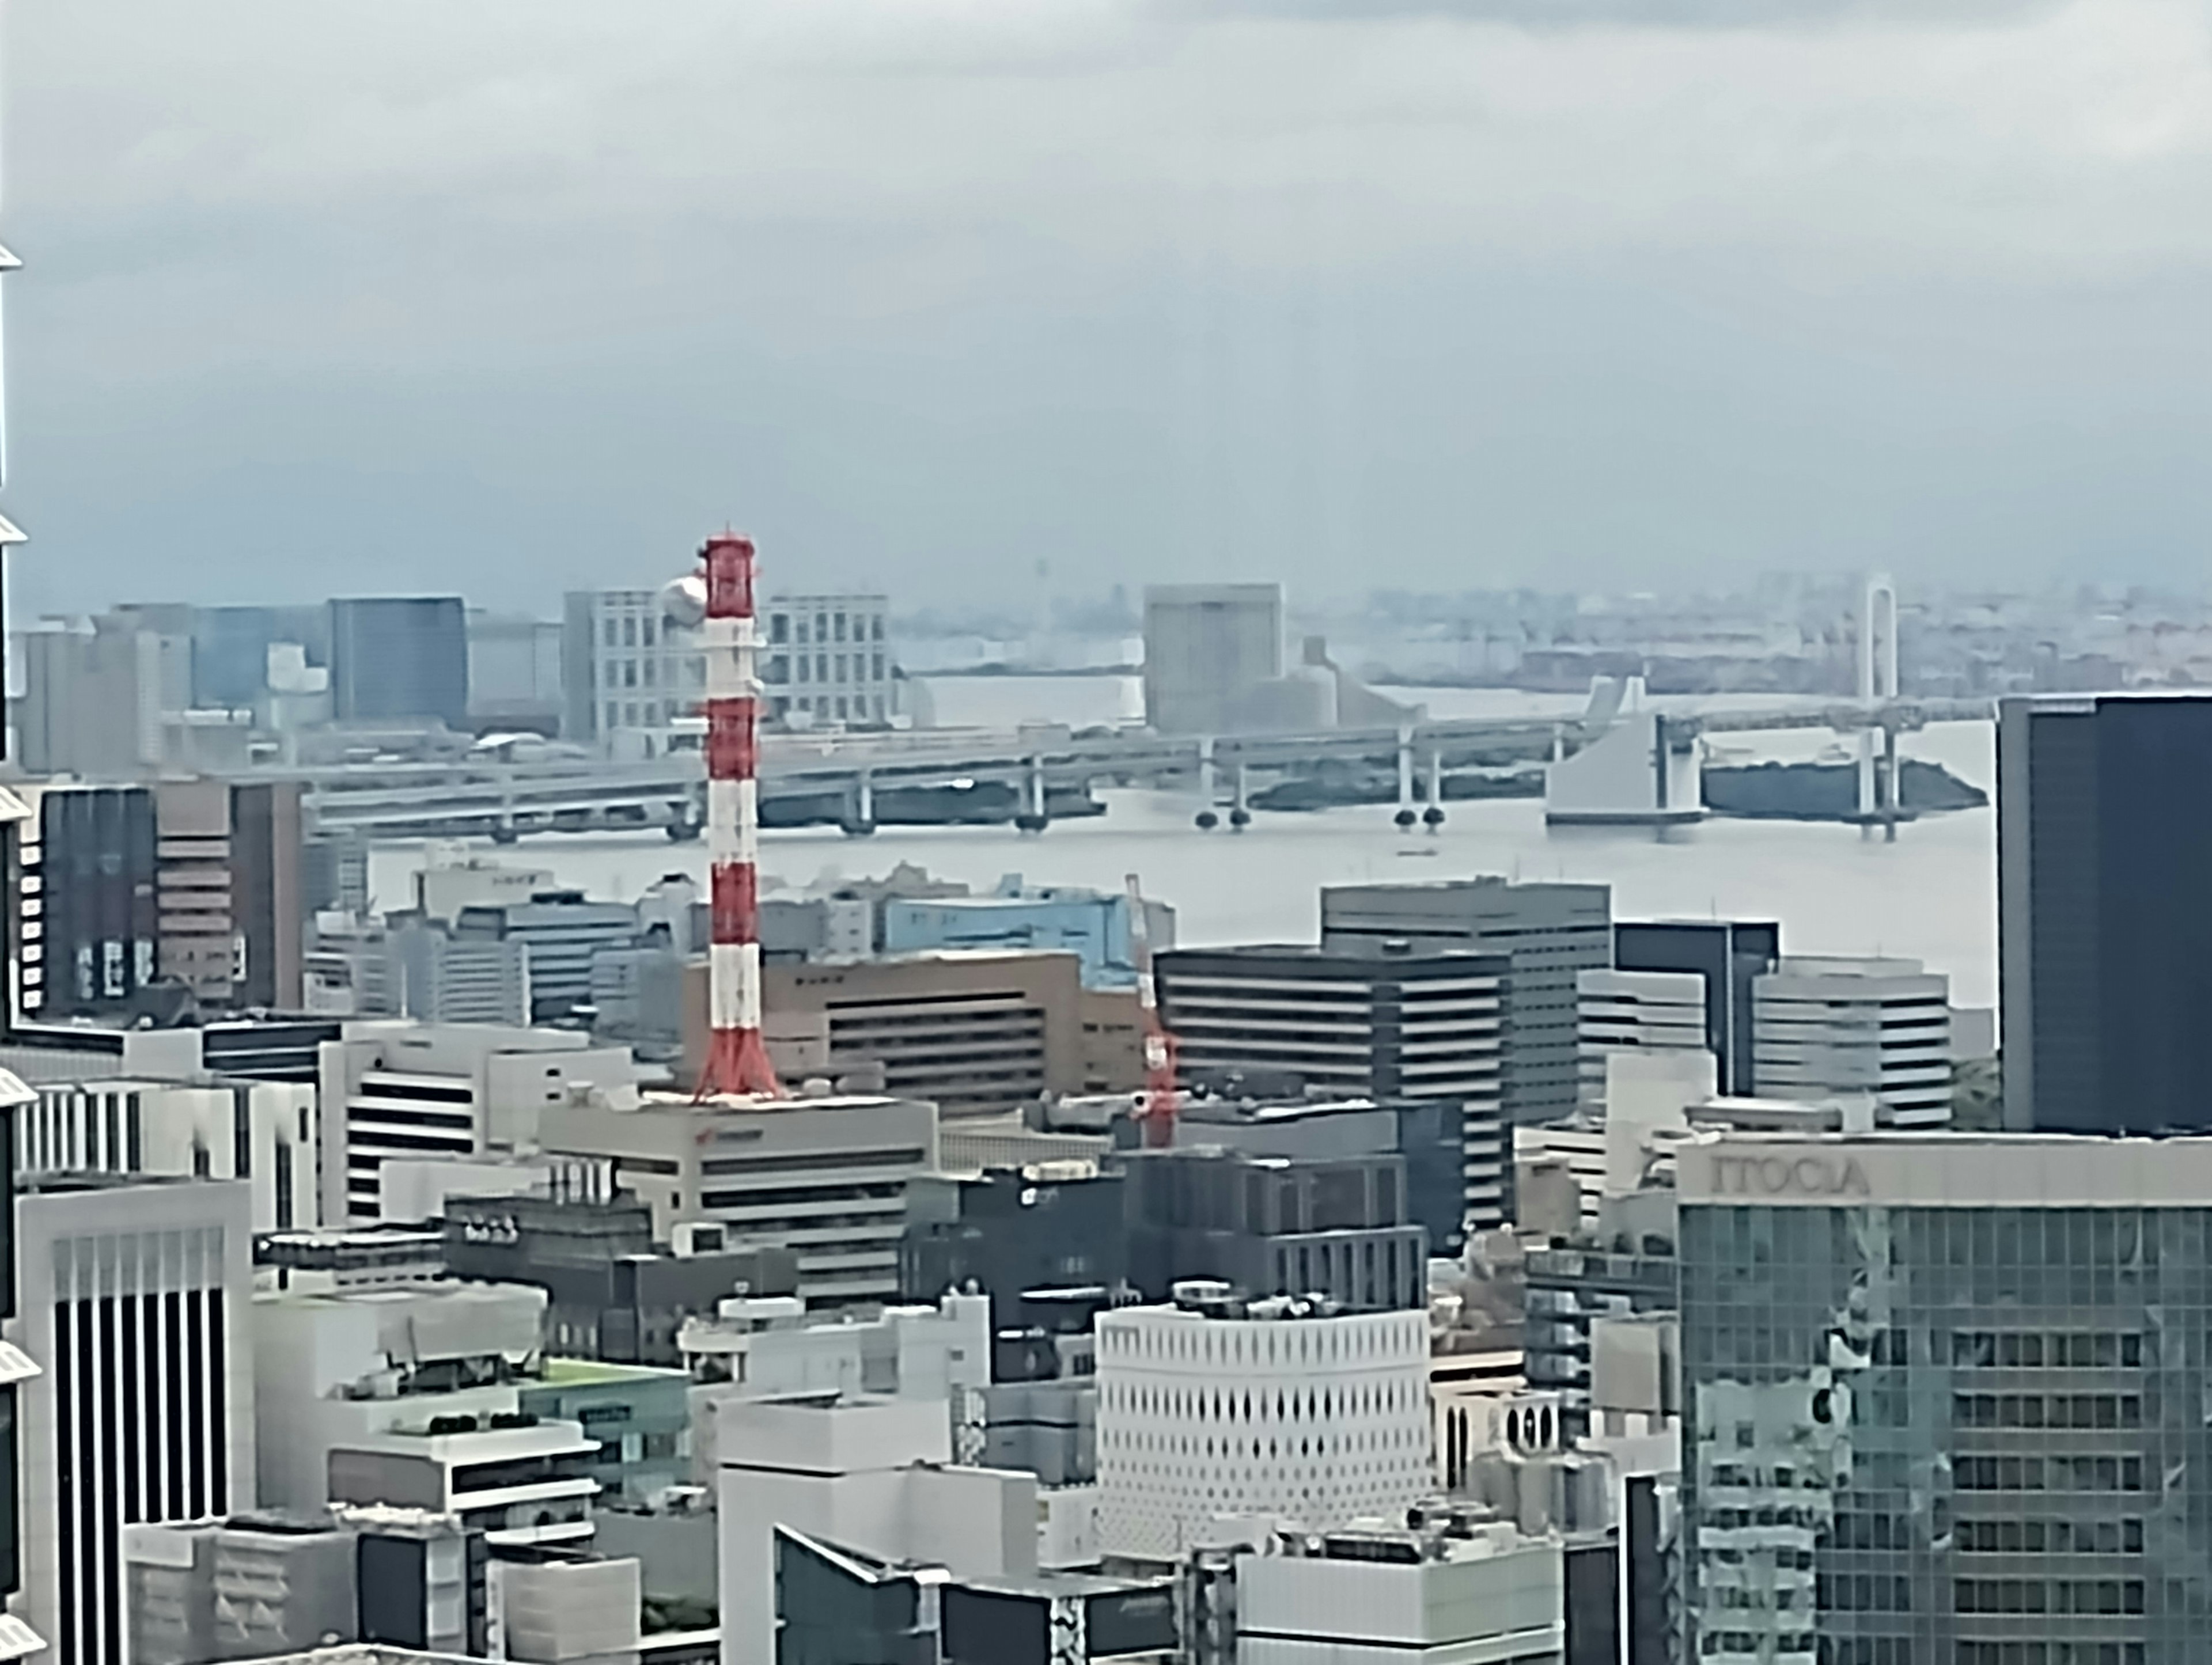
x=508, y=299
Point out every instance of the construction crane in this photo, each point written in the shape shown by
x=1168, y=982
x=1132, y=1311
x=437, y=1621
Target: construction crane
x=1158, y=1115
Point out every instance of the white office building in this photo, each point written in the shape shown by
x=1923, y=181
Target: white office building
x=262, y=1132
x=397, y=1088
x=768, y=1346
x=1478, y=1592
x=824, y=1177
x=1212, y=1407
x=876, y=1475
x=829, y=659
x=1635, y=1011
x=134, y=1298
x=1835, y=1028
x=409, y=1393
x=635, y=674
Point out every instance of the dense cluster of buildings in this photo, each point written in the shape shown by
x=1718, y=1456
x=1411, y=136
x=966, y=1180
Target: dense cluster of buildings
x=1521, y=1283
x=178, y=688
x=425, y=1309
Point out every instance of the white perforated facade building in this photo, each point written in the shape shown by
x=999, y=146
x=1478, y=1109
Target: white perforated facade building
x=1205, y=1414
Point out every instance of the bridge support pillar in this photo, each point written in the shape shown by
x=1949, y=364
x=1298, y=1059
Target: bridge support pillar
x=1433, y=817
x=1033, y=819
x=1893, y=800
x=861, y=807
x=1206, y=819
x=1240, y=816
x=1406, y=818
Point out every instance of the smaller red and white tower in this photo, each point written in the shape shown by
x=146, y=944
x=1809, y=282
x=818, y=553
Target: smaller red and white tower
x=736, y=1057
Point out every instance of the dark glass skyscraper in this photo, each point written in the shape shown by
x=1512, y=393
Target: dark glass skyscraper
x=399, y=657
x=1944, y=1400
x=2105, y=903
x=1730, y=956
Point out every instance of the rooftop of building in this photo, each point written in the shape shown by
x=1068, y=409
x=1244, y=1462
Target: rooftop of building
x=1487, y=884
x=598, y=1372
x=1941, y=1167
x=78, y=1181
x=663, y=1101
x=1194, y=1300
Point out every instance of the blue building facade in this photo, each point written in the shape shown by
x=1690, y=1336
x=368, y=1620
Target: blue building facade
x=1092, y=925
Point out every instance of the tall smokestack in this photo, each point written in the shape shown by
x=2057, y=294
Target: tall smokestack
x=736, y=1058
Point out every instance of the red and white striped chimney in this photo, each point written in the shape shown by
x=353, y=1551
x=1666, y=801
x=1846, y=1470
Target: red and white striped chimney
x=736, y=1057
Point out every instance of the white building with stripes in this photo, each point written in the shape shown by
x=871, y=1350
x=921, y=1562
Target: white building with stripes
x=134, y=1296
x=265, y=1133
x=398, y=1088
x=1211, y=1407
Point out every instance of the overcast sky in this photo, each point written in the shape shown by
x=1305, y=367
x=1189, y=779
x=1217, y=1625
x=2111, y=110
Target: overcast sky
x=509, y=296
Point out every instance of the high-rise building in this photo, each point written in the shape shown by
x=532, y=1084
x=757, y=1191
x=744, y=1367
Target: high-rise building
x=399, y=658
x=17, y=1368
x=514, y=671
x=1213, y=1406
x=2104, y=912
x=977, y=1032
x=1454, y=1150
x=262, y=1132
x=1328, y=1226
x=95, y=696
x=1725, y=956
x=154, y=899
x=1092, y=925
x=1939, y=1397
x=1438, y=1591
x=1208, y=647
x=1636, y=1012
x=633, y=673
x=276, y=1584
x=826, y=1178
x=615, y=1293
x=134, y=1300
x=1376, y=1026
x=560, y=931
x=1549, y=932
x=398, y=1088
x=1830, y=1028
x=424, y=969
x=828, y=659
x=410, y=1392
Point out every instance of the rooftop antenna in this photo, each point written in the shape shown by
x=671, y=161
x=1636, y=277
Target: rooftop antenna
x=1158, y=1115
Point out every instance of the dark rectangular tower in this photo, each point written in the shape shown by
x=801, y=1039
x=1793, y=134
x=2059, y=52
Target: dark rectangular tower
x=2105, y=912
x=1549, y=933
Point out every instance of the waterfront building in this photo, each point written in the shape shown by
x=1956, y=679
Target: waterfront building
x=1208, y=647
x=1830, y=1028
x=1939, y=1397
x=1549, y=933
x=400, y=657
x=2104, y=912
x=1387, y=1028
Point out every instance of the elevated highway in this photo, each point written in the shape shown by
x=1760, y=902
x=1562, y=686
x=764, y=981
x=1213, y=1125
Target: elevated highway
x=846, y=772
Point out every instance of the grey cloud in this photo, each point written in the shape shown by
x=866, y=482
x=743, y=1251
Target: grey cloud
x=1661, y=14
x=515, y=296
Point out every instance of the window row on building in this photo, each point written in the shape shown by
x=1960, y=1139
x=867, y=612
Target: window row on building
x=2047, y=1595
x=2034, y=1349
x=2046, y=1410
x=2048, y=1475
x=2028, y=1536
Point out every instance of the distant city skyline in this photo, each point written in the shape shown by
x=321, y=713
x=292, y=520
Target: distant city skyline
x=510, y=301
